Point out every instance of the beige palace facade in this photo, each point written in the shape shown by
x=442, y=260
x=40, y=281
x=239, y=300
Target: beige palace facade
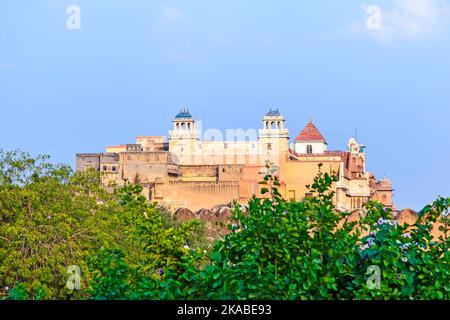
x=188, y=171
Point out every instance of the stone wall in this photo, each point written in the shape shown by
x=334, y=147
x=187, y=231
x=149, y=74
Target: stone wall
x=85, y=161
x=198, y=195
x=147, y=167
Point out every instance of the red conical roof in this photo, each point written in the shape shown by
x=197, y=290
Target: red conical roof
x=310, y=133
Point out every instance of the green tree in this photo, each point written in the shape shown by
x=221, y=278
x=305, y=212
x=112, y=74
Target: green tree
x=50, y=219
x=161, y=255
x=284, y=249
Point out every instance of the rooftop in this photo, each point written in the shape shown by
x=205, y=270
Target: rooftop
x=273, y=113
x=183, y=114
x=310, y=133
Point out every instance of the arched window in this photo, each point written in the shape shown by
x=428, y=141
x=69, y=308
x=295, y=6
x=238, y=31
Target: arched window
x=272, y=125
x=309, y=149
x=269, y=147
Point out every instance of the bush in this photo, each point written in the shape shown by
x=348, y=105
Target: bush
x=161, y=254
x=127, y=248
x=282, y=249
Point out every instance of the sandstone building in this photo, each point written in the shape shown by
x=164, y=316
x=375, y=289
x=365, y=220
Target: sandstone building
x=195, y=171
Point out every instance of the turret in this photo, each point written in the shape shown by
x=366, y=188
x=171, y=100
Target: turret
x=184, y=134
x=274, y=135
x=310, y=141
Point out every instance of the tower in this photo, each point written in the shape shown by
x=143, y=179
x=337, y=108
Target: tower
x=184, y=135
x=310, y=141
x=273, y=141
x=384, y=192
x=274, y=136
x=357, y=164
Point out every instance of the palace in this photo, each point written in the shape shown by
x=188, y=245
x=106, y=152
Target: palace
x=186, y=171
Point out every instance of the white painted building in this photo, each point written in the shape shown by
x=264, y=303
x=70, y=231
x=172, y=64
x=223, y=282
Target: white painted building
x=310, y=141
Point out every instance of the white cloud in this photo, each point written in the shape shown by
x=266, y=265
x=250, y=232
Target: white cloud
x=408, y=19
x=169, y=15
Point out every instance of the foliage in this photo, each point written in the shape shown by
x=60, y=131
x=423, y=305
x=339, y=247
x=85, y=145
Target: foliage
x=50, y=219
x=128, y=248
x=161, y=249
x=284, y=250
x=413, y=262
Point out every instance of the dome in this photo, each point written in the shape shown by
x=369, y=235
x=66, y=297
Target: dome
x=184, y=214
x=273, y=113
x=384, y=184
x=183, y=114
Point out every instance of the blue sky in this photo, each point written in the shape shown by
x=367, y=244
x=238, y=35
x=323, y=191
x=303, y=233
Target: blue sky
x=134, y=64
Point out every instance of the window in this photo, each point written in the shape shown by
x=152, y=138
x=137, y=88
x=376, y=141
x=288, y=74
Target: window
x=308, y=195
x=269, y=147
x=105, y=168
x=291, y=194
x=309, y=149
x=113, y=168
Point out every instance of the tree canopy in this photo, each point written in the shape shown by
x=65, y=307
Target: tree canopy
x=124, y=247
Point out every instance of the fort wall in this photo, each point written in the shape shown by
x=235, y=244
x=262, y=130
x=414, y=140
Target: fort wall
x=198, y=195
